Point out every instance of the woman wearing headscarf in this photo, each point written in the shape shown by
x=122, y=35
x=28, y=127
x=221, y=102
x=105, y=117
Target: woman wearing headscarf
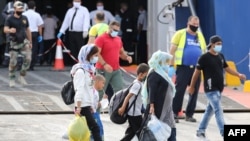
x=83, y=74
x=158, y=91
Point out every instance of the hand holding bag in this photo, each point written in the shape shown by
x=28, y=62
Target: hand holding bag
x=145, y=133
x=78, y=129
x=161, y=130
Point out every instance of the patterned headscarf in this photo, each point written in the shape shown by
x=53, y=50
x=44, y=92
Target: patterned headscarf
x=82, y=60
x=155, y=63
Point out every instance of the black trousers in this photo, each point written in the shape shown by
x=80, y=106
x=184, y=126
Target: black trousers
x=127, y=40
x=50, y=56
x=92, y=124
x=134, y=125
x=183, y=78
x=34, y=48
x=75, y=43
x=142, y=51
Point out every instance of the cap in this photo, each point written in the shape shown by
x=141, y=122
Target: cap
x=18, y=4
x=214, y=39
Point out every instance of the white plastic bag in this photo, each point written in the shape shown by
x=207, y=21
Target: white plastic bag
x=104, y=103
x=135, y=138
x=160, y=129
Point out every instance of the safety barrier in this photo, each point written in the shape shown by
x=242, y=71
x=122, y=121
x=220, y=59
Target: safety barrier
x=230, y=79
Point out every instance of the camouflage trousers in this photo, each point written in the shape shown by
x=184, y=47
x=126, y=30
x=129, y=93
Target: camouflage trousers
x=23, y=49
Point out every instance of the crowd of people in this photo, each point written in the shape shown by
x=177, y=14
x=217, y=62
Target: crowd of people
x=46, y=28
x=99, y=60
x=78, y=25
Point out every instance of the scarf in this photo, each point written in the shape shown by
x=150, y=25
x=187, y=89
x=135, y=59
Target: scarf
x=154, y=62
x=82, y=60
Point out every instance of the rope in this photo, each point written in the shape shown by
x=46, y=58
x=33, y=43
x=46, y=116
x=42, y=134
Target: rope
x=48, y=50
x=244, y=59
x=127, y=73
x=68, y=52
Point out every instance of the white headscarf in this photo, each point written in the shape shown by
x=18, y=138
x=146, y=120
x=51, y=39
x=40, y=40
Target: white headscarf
x=155, y=63
x=82, y=60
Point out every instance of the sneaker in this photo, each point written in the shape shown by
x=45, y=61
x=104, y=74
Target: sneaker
x=65, y=136
x=176, y=120
x=201, y=137
x=190, y=119
x=22, y=80
x=181, y=115
x=12, y=83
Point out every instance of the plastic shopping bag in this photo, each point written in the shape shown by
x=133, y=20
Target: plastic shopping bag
x=147, y=135
x=160, y=129
x=135, y=138
x=78, y=129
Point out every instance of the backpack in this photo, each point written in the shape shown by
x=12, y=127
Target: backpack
x=68, y=92
x=116, y=102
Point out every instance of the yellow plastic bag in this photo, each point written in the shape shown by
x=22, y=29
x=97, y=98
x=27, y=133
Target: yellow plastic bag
x=78, y=129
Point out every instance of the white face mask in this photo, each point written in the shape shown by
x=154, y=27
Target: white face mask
x=114, y=33
x=99, y=7
x=94, y=59
x=76, y=4
x=218, y=48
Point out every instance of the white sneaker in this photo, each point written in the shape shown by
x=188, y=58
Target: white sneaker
x=201, y=137
x=65, y=136
x=12, y=83
x=22, y=80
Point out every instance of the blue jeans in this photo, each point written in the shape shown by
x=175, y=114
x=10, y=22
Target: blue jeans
x=97, y=118
x=213, y=107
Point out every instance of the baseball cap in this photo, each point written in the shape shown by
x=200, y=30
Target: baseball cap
x=18, y=4
x=214, y=39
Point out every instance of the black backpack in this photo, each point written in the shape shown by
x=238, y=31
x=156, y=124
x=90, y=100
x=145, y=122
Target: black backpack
x=68, y=92
x=116, y=102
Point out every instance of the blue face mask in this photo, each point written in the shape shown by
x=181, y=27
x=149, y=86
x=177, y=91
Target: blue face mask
x=165, y=67
x=94, y=60
x=114, y=33
x=218, y=48
x=171, y=72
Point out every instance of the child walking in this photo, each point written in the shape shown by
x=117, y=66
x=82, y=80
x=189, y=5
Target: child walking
x=99, y=82
x=134, y=113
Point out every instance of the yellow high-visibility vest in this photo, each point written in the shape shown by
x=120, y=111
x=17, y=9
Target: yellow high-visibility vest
x=179, y=39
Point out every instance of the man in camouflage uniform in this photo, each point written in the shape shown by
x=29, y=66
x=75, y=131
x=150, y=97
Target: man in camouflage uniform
x=17, y=27
x=7, y=11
